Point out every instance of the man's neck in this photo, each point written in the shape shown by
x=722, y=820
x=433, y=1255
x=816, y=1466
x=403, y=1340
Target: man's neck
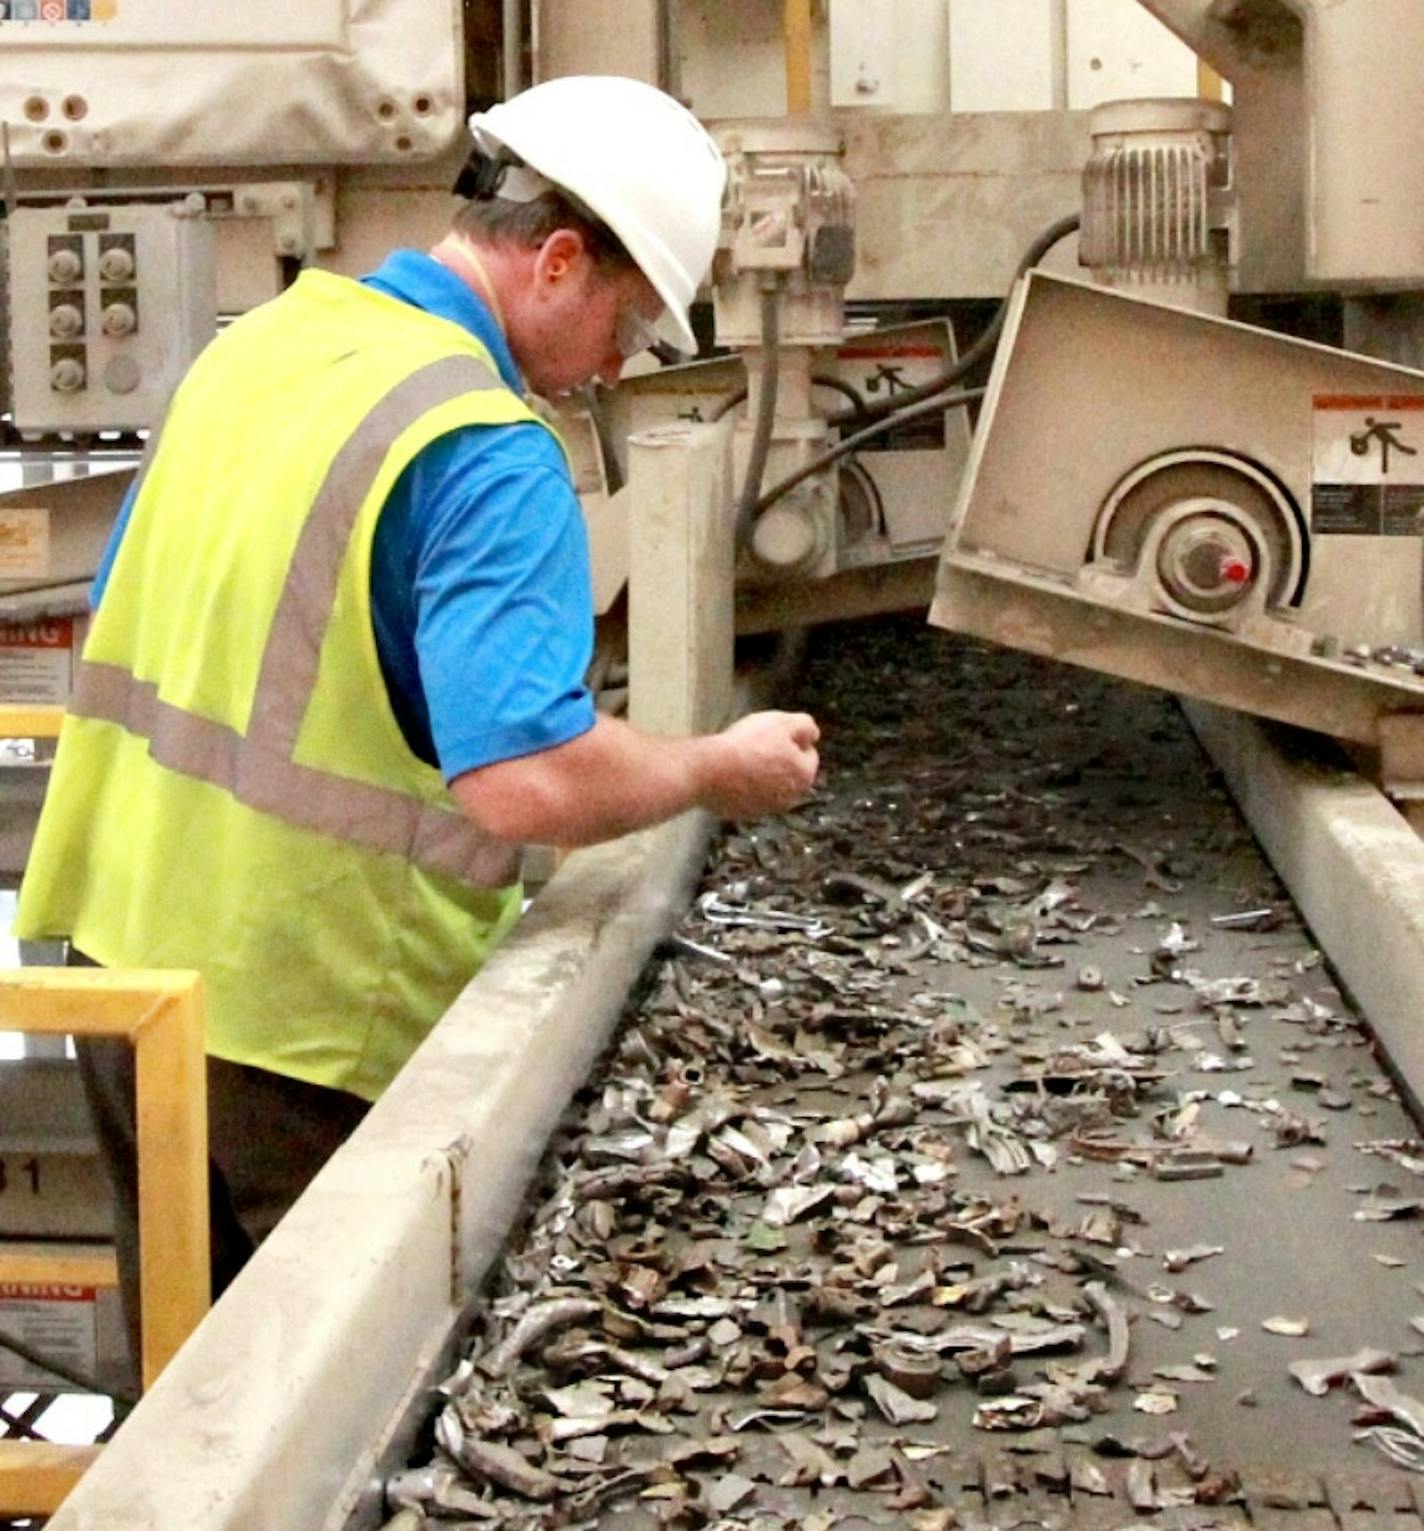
x=479, y=272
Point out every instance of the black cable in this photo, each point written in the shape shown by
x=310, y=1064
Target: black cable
x=937, y=402
x=820, y=379
x=981, y=347
x=924, y=398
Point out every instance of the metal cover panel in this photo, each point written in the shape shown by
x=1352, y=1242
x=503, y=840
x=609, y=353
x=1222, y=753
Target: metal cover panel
x=1089, y=385
x=147, y=82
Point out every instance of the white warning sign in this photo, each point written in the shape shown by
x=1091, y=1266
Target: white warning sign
x=1367, y=465
x=37, y=662
x=54, y=1320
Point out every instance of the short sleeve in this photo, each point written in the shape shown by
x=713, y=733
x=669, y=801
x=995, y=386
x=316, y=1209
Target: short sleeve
x=503, y=598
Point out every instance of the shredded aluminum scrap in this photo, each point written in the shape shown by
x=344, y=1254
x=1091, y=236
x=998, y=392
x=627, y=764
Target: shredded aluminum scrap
x=884, y=1205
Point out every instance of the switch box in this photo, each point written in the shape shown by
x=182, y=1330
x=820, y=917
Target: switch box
x=106, y=306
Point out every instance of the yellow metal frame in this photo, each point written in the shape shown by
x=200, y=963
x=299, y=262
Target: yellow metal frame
x=161, y=1015
x=33, y=1265
x=35, y=1476
x=796, y=30
x=17, y=722
x=1210, y=86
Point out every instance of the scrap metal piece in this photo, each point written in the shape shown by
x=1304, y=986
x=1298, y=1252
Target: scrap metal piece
x=758, y=917
x=540, y=1321
x=1402, y=1447
x=810, y=1463
x=1090, y=979
x=435, y=1488
x=1012, y=1412
x=788, y=1203
x=1385, y=1209
x=729, y=1491
x=1177, y=1260
x=1247, y=919
x=1381, y=1393
x=405, y=1520
x=1408, y=1153
x=492, y=1462
x=898, y=1407
x=683, y=946
x=1181, y=1167
x=1318, y=1377
x=1108, y=1368
x=914, y=1371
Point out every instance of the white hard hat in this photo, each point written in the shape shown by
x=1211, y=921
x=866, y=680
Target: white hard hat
x=633, y=156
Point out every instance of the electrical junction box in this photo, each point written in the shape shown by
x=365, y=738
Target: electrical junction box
x=107, y=306
x=267, y=82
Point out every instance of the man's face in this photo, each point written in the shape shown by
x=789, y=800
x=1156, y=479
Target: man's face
x=585, y=321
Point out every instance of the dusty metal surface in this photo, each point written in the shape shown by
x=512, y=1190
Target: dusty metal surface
x=1001, y=1179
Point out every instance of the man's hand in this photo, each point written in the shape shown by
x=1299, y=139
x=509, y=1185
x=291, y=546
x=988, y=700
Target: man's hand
x=766, y=763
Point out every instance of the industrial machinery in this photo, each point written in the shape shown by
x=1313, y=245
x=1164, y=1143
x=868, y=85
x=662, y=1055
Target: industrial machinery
x=1199, y=461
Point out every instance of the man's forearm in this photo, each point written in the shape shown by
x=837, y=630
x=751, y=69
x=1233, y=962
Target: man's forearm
x=607, y=782
x=614, y=779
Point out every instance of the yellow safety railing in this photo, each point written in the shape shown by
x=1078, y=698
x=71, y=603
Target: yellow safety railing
x=161, y=1015
x=17, y=722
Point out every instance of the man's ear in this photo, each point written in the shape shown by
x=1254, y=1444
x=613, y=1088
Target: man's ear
x=559, y=255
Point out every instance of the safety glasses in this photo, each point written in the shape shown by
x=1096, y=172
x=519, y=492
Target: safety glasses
x=632, y=333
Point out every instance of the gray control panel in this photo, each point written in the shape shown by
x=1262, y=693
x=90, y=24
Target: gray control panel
x=107, y=306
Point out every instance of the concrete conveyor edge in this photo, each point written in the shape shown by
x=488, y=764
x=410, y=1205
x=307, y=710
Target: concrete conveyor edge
x=1352, y=863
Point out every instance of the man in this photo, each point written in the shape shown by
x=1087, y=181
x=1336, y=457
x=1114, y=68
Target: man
x=335, y=674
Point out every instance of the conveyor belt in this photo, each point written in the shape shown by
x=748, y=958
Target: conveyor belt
x=1039, y=927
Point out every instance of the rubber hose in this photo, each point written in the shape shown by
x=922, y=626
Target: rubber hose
x=766, y=412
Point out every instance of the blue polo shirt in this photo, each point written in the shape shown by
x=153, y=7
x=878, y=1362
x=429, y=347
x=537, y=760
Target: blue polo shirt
x=481, y=596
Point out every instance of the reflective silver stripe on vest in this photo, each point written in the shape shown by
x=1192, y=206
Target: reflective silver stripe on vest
x=257, y=768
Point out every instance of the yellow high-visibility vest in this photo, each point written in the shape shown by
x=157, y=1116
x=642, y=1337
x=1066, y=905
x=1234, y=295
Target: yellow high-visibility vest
x=232, y=791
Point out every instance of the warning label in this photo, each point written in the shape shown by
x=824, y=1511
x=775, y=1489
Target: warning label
x=1367, y=465
x=886, y=371
x=53, y=1320
x=37, y=662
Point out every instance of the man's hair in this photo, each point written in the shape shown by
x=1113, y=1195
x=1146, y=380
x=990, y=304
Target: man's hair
x=528, y=224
